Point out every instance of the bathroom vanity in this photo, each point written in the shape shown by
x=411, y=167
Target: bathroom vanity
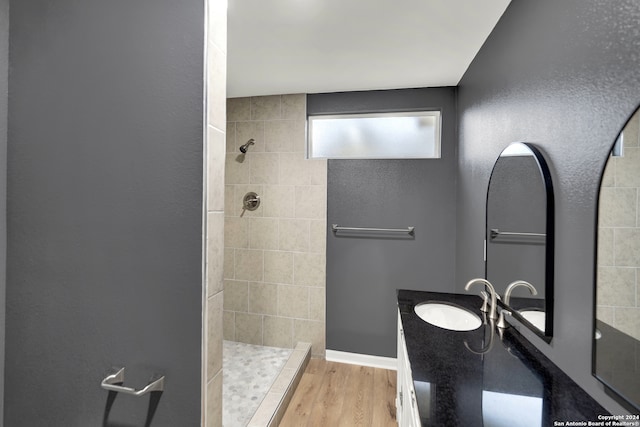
x=483, y=377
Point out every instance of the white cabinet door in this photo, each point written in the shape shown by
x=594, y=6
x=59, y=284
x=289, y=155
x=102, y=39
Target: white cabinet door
x=406, y=405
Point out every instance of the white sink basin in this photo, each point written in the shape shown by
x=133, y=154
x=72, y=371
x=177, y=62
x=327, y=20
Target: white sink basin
x=535, y=317
x=447, y=316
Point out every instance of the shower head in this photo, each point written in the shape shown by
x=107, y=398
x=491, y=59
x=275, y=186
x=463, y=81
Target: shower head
x=245, y=147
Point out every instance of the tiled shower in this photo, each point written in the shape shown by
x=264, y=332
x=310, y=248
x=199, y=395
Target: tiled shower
x=274, y=257
x=619, y=228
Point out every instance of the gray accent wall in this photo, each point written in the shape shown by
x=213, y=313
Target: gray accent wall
x=4, y=76
x=104, y=265
x=564, y=76
x=364, y=271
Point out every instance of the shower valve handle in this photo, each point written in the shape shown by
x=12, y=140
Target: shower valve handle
x=251, y=201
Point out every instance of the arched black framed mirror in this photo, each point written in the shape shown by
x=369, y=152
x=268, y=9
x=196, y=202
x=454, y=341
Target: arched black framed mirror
x=616, y=345
x=520, y=237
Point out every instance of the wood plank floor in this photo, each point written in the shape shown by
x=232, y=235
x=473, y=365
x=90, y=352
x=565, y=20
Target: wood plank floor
x=337, y=394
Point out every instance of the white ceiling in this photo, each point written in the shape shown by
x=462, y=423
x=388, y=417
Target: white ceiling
x=311, y=46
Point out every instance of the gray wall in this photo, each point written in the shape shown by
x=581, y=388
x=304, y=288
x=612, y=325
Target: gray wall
x=4, y=71
x=104, y=210
x=566, y=77
x=364, y=273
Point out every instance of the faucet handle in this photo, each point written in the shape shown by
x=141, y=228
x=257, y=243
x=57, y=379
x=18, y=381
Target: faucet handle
x=492, y=293
x=502, y=324
x=485, y=303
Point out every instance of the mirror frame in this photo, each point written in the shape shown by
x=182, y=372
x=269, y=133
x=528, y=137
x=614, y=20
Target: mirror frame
x=545, y=174
x=609, y=389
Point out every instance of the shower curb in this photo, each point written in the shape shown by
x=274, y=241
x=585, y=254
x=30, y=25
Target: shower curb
x=274, y=404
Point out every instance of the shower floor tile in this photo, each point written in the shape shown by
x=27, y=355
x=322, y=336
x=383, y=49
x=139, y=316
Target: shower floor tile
x=248, y=373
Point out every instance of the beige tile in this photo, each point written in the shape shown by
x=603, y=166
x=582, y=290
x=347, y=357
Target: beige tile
x=294, y=169
x=229, y=264
x=627, y=168
x=229, y=325
x=236, y=295
x=310, y=331
x=609, y=174
x=250, y=130
x=215, y=169
x=264, y=168
x=309, y=269
x=294, y=235
x=230, y=137
x=318, y=236
x=285, y=136
x=265, y=411
x=238, y=109
x=229, y=196
x=605, y=246
x=296, y=359
x=238, y=204
x=214, y=335
x=217, y=23
x=317, y=304
x=311, y=202
x=631, y=131
x=637, y=287
x=294, y=107
x=266, y=108
x=303, y=346
x=249, y=265
x=293, y=301
x=249, y=328
x=278, y=332
x=605, y=314
x=236, y=232
x=214, y=402
x=216, y=87
x=278, y=267
x=627, y=246
x=283, y=381
x=278, y=201
x=618, y=207
x=215, y=252
x=263, y=298
x=638, y=208
x=317, y=171
x=236, y=172
x=263, y=233
x=616, y=286
x=628, y=321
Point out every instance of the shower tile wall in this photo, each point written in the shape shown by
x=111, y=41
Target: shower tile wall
x=274, y=258
x=216, y=60
x=619, y=237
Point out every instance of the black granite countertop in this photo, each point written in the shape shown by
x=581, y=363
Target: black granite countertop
x=476, y=379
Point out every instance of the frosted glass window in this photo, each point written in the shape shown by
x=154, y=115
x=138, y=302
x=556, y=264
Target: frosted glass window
x=414, y=135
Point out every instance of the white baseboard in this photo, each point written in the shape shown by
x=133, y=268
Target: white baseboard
x=362, y=359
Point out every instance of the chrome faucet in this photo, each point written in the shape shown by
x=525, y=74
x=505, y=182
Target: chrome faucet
x=492, y=292
x=507, y=296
